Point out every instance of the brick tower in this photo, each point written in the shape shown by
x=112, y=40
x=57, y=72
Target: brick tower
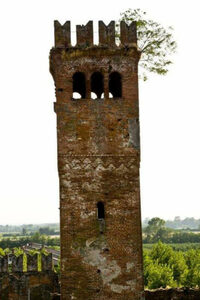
x=98, y=162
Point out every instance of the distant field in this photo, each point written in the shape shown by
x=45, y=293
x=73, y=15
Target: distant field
x=178, y=246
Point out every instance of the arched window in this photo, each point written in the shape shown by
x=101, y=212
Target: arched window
x=115, y=85
x=97, y=85
x=100, y=210
x=79, y=85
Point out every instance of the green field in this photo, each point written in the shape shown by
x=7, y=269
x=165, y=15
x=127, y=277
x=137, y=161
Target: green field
x=176, y=246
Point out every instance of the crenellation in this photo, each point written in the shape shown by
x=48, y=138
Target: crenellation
x=62, y=34
x=84, y=35
x=128, y=33
x=107, y=34
x=18, y=263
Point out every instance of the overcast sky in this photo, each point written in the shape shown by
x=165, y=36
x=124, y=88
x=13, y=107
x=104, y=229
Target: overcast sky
x=169, y=110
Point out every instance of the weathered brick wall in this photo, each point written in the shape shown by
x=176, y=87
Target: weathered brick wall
x=173, y=294
x=29, y=285
x=28, y=277
x=98, y=160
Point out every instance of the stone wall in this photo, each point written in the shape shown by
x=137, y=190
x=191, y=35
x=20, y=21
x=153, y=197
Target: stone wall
x=173, y=294
x=29, y=286
x=28, y=277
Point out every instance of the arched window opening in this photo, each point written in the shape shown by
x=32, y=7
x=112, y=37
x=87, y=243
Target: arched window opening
x=115, y=85
x=97, y=85
x=79, y=85
x=100, y=210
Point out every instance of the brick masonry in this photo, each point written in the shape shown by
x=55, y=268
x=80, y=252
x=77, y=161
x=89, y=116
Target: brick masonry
x=173, y=294
x=29, y=285
x=98, y=161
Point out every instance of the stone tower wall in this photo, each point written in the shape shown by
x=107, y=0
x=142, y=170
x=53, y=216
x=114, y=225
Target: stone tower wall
x=98, y=161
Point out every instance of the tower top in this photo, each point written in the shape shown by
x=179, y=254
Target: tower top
x=84, y=35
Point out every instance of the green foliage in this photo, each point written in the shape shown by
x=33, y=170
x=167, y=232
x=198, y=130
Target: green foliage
x=36, y=237
x=33, y=252
x=18, y=251
x=175, y=246
x=171, y=236
x=164, y=266
x=25, y=263
x=161, y=253
x=190, y=224
x=28, y=229
x=185, y=237
x=154, y=41
x=147, y=263
x=156, y=223
x=192, y=258
x=159, y=276
x=46, y=230
x=24, y=231
x=44, y=251
x=179, y=267
x=7, y=251
x=2, y=253
x=164, y=255
x=157, y=231
x=57, y=268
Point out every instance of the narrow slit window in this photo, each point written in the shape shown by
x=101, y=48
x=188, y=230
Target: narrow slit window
x=79, y=85
x=100, y=210
x=115, y=85
x=97, y=85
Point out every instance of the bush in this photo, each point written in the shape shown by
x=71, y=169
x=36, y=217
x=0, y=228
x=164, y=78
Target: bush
x=159, y=276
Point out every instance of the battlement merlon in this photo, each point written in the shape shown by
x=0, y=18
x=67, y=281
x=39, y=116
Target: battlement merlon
x=13, y=263
x=62, y=34
x=84, y=35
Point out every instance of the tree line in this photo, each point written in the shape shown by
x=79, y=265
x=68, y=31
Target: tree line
x=156, y=230
x=35, y=238
x=29, y=228
x=178, y=223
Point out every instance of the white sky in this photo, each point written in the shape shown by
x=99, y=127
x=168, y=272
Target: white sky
x=169, y=110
